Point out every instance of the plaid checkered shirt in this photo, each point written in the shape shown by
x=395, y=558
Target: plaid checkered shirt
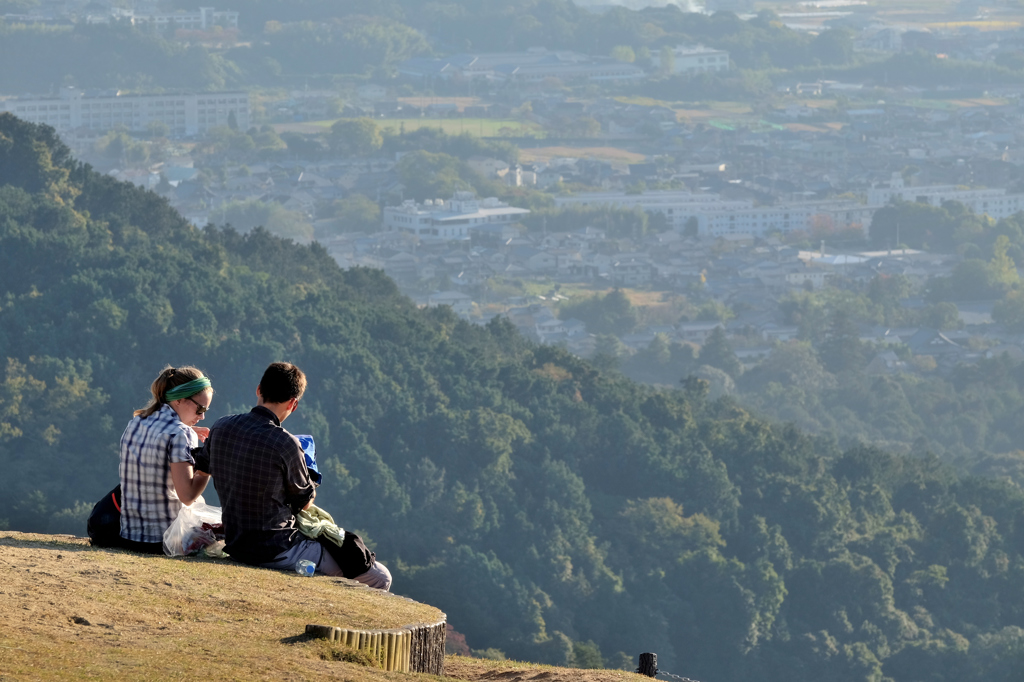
x=148, y=448
x=262, y=481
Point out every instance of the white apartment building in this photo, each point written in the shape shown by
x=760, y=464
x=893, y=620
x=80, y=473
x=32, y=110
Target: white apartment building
x=694, y=59
x=450, y=219
x=184, y=114
x=756, y=221
x=201, y=19
x=994, y=202
x=678, y=207
x=718, y=217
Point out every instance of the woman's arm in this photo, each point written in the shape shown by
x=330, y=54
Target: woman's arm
x=188, y=483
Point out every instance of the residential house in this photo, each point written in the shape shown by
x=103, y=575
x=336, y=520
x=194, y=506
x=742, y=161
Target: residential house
x=460, y=303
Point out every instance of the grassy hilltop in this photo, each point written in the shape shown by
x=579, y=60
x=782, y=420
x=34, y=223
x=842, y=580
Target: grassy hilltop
x=77, y=613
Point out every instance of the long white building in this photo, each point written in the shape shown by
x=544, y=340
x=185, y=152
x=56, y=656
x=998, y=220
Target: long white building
x=201, y=19
x=994, y=202
x=184, y=114
x=694, y=59
x=450, y=219
x=715, y=216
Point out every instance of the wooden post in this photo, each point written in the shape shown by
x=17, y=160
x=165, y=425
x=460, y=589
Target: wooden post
x=414, y=648
x=648, y=665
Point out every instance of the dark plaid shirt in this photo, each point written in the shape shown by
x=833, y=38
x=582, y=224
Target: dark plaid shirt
x=261, y=478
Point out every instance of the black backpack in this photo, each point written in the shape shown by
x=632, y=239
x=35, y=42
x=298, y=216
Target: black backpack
x=104, y=525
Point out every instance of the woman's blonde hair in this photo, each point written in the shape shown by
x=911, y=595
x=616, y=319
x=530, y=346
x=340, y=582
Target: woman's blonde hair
x=168, y=378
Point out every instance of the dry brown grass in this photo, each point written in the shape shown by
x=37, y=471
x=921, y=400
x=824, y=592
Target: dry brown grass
x=805, y=128
x=69, y=611
x=514, y=671
x=74, y=612
x=424, y=102
x=614, y=154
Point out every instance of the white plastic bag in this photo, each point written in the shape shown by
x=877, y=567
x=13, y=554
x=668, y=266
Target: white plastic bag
x=186, y=534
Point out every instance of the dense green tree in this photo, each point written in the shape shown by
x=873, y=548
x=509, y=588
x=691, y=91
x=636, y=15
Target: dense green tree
x=790, y=364
x=248, y=215
x=717, y=352
x=119, y=147
x=356, y=213
x=971, y=279
x=1010, y=310
x=429, y=176
x=834, y=46
x=842, y=349
x=611, y=313
x=916, y=225
x=104, y=56
x=1004, y=270
x=354, y=44
x=355, y=137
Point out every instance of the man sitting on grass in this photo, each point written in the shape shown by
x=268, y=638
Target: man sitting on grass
x=260, y=474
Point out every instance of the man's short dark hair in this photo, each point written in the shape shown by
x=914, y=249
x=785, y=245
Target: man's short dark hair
x=281, y=382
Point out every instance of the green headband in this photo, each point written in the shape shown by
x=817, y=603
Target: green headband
x=187, y=390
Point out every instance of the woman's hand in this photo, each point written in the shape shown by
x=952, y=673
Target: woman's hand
x=202, y=432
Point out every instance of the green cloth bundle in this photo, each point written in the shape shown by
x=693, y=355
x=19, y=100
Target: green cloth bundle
x=187, y=390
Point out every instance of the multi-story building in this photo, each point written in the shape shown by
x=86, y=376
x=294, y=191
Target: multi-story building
x=757, y=221
x=450, y=219
x=711, y=215
x=679, y=207
x=994, y=202
x=694, y=59
x=201, y=19
x=184, y=114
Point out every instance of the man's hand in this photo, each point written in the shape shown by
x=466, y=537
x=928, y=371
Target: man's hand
x=202, y=432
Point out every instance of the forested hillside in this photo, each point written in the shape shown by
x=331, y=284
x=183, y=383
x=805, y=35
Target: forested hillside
x=555, y=512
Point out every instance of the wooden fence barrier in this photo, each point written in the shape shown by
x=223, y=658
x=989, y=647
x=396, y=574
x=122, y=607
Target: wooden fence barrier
x=417, y=648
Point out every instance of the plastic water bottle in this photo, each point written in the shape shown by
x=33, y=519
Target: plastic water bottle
x=305, y=567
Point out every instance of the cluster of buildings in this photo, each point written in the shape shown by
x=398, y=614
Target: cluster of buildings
x=142, y=13
x=817, y=165
x=751, y=278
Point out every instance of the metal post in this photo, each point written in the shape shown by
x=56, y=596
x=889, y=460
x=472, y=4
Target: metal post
x=648, y=665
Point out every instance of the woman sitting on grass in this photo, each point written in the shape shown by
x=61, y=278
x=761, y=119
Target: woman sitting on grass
x=157, y=469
